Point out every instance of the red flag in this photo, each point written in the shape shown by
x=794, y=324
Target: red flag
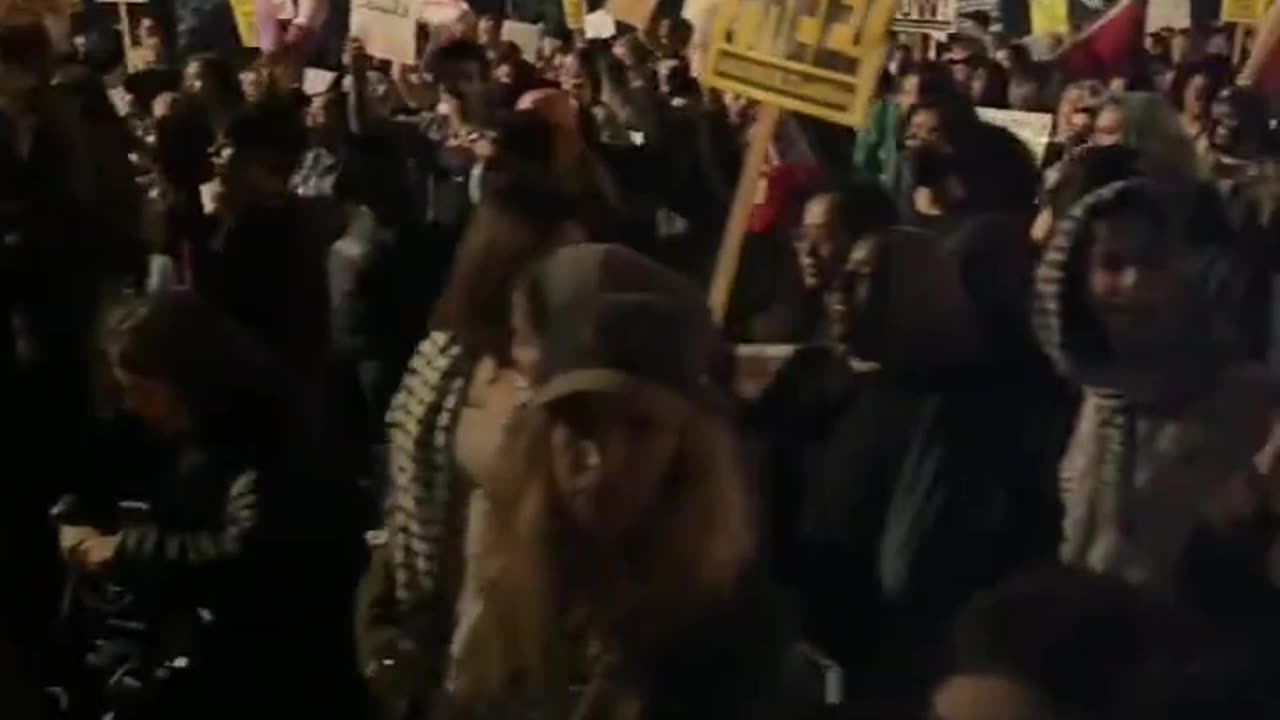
x=1262, y=71
x=1109, y=47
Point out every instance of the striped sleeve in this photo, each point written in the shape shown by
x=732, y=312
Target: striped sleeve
x=239, y=518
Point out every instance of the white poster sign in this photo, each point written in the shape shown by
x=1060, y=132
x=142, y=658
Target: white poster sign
x=1032, y=128
x=600, y=25
x=388, y=28
x=527, y=36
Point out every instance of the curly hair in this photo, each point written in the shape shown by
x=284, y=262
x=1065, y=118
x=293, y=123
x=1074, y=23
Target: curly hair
x=686, y=557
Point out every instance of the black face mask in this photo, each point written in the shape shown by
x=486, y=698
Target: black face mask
x=930, y=166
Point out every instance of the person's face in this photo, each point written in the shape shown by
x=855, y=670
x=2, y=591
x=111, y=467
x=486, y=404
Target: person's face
x=610, y=456
x=149, y=33
x=924, y=128
x=1004, y=56
x=154, y=402
x=505, y=73
x=489, y=30
x=253, y=85
x=1108, y=129
x=193, y=78
x=571, y=76
x=908, y=91
x=1196, y=94
x=1180, y=46
x=1226, y=122
x=984, y=697
x=526, y=349
x=817, y=242
x=1080, y=124
x=1023, y=95
x=1130, y=284
x=962, y=63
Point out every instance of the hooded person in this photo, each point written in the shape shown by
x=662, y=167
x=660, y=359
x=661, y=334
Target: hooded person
x=932, y=475
x=619, y=541
x=1175, y=436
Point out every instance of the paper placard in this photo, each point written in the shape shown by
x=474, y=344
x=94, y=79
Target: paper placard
x=525, y=35
x=317, y=81
x=635, y=13
x=573, y=14
x=1049, y=17
x=246, y=17
x=441, y=12
x=1174, y=14
x=388, y=29
x=1033, y=129
x=1243, y=11
x=600, y=25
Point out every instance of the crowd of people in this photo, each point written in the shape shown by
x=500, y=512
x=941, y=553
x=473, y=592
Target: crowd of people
x=391, y=391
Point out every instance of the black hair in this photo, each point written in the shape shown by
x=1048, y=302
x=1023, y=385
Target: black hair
x=1080, y=641
x=272, y=130
x=228, y=382
x=445, y=61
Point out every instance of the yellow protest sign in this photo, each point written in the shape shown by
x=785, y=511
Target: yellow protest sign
x=574, y=15
x=1049, y=17
x=1244, y=11
x=820, y=57
x=246, y=22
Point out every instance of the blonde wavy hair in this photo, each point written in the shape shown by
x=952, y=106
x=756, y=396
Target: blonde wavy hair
x=690, y=554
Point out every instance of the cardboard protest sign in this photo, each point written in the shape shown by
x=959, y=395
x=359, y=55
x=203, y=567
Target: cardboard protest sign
x=635, y=13
x=1243, y=11
x=929, y=16
x=1032, y=128
x=388, y=29
x=441, y=12
x=574, y=14
x=1174, y=14
x=826, y=64
x=527, y=36
x=600, y=25
x=245, y=15
x=317, y=81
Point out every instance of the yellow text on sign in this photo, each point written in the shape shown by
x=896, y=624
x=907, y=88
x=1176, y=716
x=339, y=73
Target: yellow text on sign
x=818, y=57
x=1244, y=11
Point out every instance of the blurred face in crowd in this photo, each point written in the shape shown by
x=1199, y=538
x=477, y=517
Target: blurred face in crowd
x=1133, y=284
x=820, y=249
x=1226, y=121
x=963, y=64
x=908, y=91
x=155, y=402
x=489, y=30
x=924, y=128
x=1180, y=46
x=1004, y=57
x=572, y=75
x=1024, y=94
x=986, y=696
x=253, y=85
x=1108, y=129
x=1195, y=96
x=610, y=456
x=149, y=34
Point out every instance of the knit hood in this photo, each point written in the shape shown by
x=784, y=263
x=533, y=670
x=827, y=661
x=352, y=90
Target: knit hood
x=947, y=309
x=611, y=319
x=1069, y=331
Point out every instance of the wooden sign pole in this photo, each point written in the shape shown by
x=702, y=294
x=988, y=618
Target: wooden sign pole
x=735, y=231
x=126, y=36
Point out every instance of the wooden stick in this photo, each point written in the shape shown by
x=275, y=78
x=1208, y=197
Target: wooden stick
x=1237, y=45
x=126, y=36
x=735, y=230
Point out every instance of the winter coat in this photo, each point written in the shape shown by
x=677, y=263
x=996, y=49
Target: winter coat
x=1154, y=450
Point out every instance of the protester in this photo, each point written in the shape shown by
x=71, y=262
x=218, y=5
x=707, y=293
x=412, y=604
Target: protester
x=329, y=207
x=604, y=561
x=1115, y=292
x=247, y=526
x=444, y=425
